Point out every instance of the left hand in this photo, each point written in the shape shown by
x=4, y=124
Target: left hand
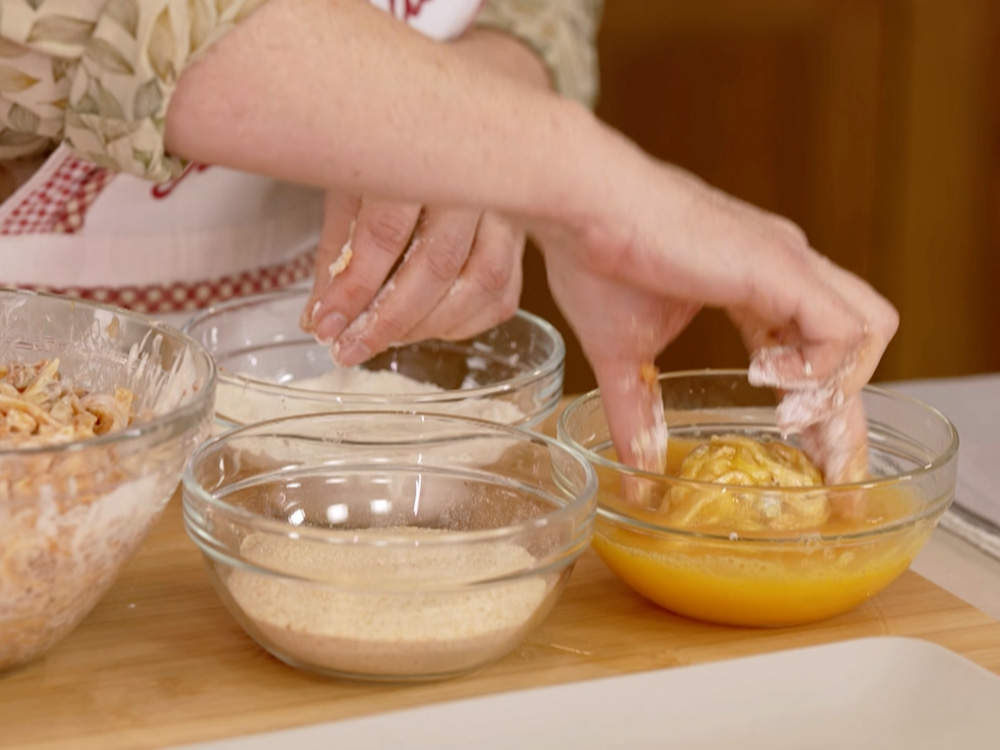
x=457, y=273
x=632, y=280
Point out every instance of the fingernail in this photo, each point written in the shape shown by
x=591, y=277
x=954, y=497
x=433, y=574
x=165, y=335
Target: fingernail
x=308, y=316
x=350, y=353
x=331, y=326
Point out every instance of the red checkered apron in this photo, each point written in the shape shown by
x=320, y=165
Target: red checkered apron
x=167, y=249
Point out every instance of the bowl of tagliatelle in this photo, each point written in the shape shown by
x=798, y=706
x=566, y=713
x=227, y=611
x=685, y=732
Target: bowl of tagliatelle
x=99, y=410
x=741, y=528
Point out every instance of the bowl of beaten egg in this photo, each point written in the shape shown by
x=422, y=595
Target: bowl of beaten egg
x=740, y=529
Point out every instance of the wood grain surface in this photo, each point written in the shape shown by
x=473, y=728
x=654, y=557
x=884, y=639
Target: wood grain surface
x=161, y=662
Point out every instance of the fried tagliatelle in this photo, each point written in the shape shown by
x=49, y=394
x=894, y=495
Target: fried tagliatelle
x=37, y=408
x=68, y=518
x=741, y=461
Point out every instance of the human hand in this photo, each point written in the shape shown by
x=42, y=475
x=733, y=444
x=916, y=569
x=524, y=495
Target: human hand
x=457, y=273
x=633, y=278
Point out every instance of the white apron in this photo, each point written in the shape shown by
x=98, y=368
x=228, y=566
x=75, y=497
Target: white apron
x=173, y=248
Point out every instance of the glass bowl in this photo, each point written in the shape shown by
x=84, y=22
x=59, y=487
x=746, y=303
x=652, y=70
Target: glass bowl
x=72, y=514
x=765, y=577
x=388, y=546
x=269, y=368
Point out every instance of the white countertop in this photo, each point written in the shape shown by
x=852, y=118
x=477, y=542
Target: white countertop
x=957, y=566
x=953, y=558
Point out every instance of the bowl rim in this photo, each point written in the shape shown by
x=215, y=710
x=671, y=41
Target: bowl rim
x=932, y=509
x=201, y=400
x=585, y=500
x=551, y=365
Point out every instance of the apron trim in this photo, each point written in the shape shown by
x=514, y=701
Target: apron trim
x=189, y=296
x=55, y=200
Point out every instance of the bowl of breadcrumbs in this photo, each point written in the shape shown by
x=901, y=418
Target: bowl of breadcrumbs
x=388, y=546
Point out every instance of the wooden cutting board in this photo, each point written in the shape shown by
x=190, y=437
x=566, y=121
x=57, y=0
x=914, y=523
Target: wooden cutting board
x=161, y=662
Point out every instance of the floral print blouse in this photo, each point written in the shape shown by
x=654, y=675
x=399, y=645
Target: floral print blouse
x=98, y=74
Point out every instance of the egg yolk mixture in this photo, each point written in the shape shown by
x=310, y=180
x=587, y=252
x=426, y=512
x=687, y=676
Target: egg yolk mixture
x=786, y=580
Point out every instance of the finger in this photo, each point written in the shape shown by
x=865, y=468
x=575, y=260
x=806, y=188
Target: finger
x=880, y=322
x=436, y=257
x=811, y=397
x=839, y=441
x=817, y=328
x=633, y=405
x=487, y=292
x=839, y=446
x=382, y=234
x=788, y=364
x=830, y=413
x=339, y=213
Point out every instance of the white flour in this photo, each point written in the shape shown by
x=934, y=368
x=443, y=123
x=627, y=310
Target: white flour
x=359, y=380
x=246, y=407
x=351, y=624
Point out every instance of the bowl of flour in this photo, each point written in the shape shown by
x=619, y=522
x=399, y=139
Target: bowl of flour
x=388, y=546
x=269, y=368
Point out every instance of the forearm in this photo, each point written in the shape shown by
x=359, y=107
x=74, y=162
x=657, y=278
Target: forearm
x=437, y=130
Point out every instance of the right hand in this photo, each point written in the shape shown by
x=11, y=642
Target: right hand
x=632, y=279
x=457, y=273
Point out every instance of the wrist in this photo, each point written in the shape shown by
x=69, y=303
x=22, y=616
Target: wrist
x=589, y=193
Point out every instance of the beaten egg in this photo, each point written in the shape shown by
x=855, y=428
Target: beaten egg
x=748, y=555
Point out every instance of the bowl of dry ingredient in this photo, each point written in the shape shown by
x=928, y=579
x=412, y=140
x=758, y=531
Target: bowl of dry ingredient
x=269, y=368
x=99, y=409
x=387, y=545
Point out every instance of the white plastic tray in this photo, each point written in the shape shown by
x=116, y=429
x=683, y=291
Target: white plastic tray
x=880, y=693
